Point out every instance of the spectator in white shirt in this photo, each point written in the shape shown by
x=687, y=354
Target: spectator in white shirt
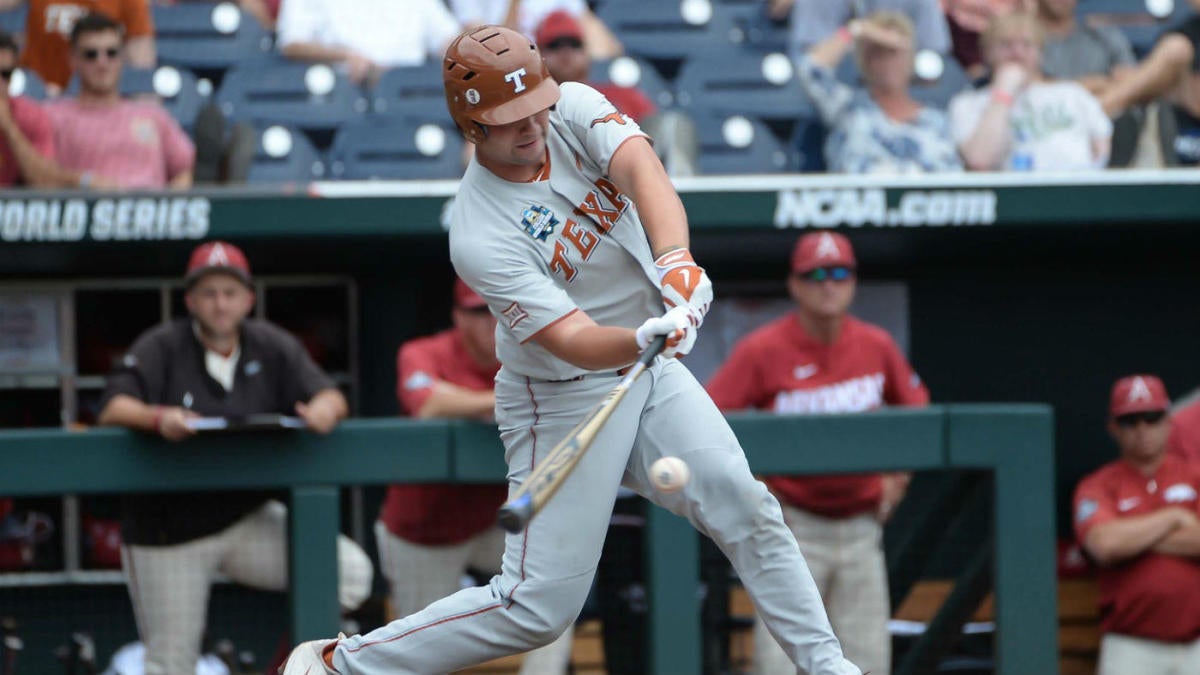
x=365, y=37
x=527, y=15
x=1022, y=121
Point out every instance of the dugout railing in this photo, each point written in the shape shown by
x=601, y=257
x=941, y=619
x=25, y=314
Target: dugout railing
x=1014, y=442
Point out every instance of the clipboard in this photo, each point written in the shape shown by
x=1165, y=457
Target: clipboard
x=255, y=422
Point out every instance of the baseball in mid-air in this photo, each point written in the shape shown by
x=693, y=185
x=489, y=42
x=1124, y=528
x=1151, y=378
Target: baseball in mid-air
x=669, y=474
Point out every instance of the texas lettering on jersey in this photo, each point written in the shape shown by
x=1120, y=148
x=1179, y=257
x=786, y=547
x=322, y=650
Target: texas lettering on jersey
x=603, y=207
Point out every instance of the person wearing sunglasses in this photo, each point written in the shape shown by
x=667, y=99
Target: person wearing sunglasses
x=820, y=359
x=1139, y=518
x=106, y=139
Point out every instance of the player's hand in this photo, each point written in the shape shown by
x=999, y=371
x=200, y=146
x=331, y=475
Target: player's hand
x=320, y=418
x=1011, y=78
x=679, y=325
x=173, y=423
x=684, y=283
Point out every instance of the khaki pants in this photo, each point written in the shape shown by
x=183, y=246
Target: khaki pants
x=418, y=575
x=846, y=559
x=1126, y=655
x=169, y=585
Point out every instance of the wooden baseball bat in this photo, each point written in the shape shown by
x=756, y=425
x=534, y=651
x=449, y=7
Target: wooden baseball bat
x=550, y=474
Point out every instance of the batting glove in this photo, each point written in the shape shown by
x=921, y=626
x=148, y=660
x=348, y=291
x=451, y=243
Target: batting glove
x=680, y=325
x=683, y=282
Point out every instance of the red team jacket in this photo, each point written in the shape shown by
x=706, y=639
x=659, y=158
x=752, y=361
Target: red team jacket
x=1151, y=596
x=438, y=514
x=780, y=367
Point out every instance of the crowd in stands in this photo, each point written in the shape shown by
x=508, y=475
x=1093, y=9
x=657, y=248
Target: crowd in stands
x=875, y=86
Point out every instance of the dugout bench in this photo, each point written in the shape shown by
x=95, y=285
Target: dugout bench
x=1013, y=442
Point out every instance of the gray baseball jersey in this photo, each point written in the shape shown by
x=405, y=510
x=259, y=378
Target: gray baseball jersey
x=562, y=241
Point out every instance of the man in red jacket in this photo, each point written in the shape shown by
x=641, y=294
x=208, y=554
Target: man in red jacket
x=1138, y=518
x=819, y=359
x=429, y=535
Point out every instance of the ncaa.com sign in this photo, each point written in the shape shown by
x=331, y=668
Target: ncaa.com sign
x=831, y=207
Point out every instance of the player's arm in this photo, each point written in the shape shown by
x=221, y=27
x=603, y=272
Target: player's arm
x=123, y=410
x=637, y=172
x=451, y=400
x=1123, y=538
x=1183, y=541
x=580, y=341
x=324, y=410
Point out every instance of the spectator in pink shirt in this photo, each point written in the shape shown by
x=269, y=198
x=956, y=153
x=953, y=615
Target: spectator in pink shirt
x=26, y=135
x=128, y=143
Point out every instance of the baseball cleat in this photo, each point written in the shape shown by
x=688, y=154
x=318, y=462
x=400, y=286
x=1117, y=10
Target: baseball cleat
x=308, y=658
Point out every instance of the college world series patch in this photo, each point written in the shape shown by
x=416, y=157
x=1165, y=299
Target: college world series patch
x=539, y=222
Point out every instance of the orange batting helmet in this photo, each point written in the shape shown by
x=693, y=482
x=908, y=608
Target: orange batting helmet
x=495, y=75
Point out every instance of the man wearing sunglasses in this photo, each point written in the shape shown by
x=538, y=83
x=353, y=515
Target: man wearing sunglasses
x=820, y=359
x=101, y=137
x=430, y=535
x=1138, y=518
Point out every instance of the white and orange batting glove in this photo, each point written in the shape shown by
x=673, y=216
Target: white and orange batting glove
x=680, y=325
x=684, y=283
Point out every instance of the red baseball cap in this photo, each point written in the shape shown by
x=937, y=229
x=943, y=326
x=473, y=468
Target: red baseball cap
x=822, y=249
x=1138, y=393
x=217, y=256
x=558, y=24
x=465, y=298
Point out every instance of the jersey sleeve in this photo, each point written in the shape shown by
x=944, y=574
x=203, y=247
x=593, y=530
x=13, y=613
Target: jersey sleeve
x=515, y=282
x=416, y=373
x=737, y=385
x=596, y=122
x=1184, y=438
x=141, y=372
x=902, y=386
x=1092, y=506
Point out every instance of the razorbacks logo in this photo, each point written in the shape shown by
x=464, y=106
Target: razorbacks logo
x=610, y=117
x=538, y=221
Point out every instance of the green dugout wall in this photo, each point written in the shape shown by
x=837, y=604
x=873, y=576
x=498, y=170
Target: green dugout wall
x=1014, y=442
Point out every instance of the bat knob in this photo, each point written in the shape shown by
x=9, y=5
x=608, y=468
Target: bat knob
x=515, y=515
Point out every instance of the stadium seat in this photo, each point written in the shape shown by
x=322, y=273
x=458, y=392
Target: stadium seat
x=27, y=83
x=1134, y=19
x=631, y=71
x=414, y=93
x=739, y=145
x=208, y=37
x=762, y=86
x=312, y=97
x=284, y=155
x=752, y=28
x=396, y=149
x=667, y=30
x=177, y=89
x=13, y=22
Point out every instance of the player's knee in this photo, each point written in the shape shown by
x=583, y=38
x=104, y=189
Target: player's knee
x=355, y=574
x=545, y=609
x=727, y=497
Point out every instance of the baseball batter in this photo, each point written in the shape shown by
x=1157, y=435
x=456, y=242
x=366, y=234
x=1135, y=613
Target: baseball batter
x=567, y=225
